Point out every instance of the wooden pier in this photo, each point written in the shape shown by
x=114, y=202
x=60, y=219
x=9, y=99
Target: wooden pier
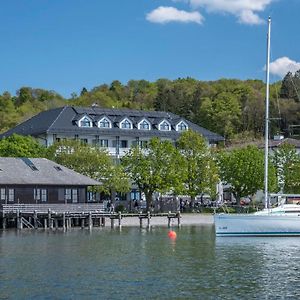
x=66, y=216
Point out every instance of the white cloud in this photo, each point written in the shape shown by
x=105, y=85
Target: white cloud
x=283, y=65
x=165, y=14
x=245, y=10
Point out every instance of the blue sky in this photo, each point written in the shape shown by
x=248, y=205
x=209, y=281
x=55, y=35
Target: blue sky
x=64, y=45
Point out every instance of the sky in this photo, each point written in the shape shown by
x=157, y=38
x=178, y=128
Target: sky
x=65, y=45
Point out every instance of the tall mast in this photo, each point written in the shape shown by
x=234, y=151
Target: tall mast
x=267, y=114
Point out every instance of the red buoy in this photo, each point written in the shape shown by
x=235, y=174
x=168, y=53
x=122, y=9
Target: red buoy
x=172, y=234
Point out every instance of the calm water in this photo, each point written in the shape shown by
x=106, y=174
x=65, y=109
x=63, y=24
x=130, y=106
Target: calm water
x=146, y=264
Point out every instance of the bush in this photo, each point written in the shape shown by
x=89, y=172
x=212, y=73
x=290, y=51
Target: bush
x=120, y=208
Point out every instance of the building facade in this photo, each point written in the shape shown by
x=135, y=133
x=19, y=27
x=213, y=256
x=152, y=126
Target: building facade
x=114, y=129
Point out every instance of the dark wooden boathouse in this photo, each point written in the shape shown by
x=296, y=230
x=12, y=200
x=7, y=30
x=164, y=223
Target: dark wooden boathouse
x=39, y=186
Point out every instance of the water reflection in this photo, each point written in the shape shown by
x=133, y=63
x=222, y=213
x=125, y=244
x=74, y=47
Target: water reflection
x=145, y=264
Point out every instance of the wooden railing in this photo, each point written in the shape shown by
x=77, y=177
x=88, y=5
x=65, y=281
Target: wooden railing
x=59, y=208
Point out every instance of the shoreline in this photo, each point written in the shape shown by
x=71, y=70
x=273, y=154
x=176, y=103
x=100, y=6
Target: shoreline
x=186, y=219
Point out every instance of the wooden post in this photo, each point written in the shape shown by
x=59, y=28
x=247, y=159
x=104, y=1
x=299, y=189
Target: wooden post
x=112, y=222
x=103, y=221
x=90, y=221
x=179, y=218
x=18, y=220
x=56, y=222
x=82, y=223
x=141, y=221
x=69, y=223
x=50, y=223
x=21, y=223
x=35, y=219
x=148, y=219
x=119, y=218
x=45, y=223
x=64, y=221
x=4, y=223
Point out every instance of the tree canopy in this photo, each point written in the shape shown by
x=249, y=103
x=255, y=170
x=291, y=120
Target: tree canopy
x=92, y=162
x=227, y=106
x=155, y=168
x=199, y=171
x=243, y=169
x=21, y=146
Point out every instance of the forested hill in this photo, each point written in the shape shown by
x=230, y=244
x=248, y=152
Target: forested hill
x=232, y=108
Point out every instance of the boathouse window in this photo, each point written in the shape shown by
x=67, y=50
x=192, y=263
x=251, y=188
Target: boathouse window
x=44, y=195
x=37, y=194
x=11, y=195
x=74, y=195
x=104, y=123
x=68, y=194
x=2, y=194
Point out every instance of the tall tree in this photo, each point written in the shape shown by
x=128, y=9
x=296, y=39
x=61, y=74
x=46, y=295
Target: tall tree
x=200, y=172
x=284, y=157
x=243, y=170
x=155, y=169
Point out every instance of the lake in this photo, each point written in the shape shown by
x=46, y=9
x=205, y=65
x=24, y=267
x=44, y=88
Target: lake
x=135, y=263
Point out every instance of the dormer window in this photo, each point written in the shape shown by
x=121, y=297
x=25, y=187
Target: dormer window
x=144, y=125
x=85, y=122
x=164, y=126
x=182, y=126
x=126, y=124
x=104, y=123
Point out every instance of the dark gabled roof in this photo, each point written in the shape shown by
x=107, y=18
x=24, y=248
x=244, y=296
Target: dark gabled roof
x=39, y=171
x=61, y=121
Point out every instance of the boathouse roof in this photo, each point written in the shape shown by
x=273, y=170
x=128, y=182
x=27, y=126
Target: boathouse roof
x=39, y=171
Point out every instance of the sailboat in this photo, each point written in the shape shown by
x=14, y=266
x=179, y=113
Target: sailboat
x=283, y=220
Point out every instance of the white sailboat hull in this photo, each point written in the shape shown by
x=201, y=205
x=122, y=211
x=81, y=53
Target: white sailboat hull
x=257, y=225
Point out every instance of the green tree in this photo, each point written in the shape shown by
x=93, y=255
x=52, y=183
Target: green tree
x=283, y=159
x=155, y=169
x=200, y=172
x=21, y=146
x=243, y=170
x=93, y=162
x=292, y=177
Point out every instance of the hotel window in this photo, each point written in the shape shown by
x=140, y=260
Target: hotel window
x=2, y=194
x=126, y=124
x=104, y=123
x=143, y=144
x=11, y=195
x=44, y=195
x=104, y=143
x=182, y=126
x=84, y=141
x=165, y=126
x=144, y=125
x=85, y=122
x=124, y=144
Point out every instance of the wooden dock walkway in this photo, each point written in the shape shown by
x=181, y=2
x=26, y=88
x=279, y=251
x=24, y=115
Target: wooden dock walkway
x=66, y=216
